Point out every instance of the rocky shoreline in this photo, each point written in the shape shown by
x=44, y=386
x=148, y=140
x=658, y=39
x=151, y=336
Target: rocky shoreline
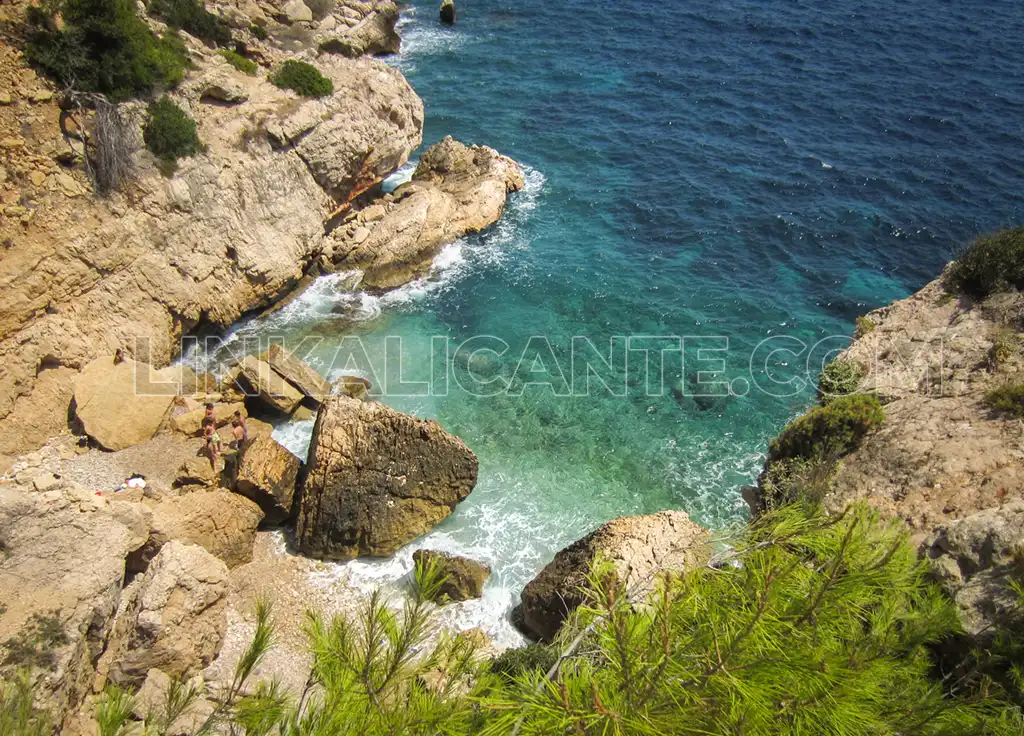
x=144, y=585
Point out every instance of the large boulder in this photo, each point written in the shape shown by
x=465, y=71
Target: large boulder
x=298, y=373
x=464, y=578
x=257, y=378
x=221, y=522
x=374, y=35
x=975, y=560
x=267, y=474
x=120, y=404
x=456, y=190
x=377, y=479
x=174, y=617
x=62, y=560
x=639, y=547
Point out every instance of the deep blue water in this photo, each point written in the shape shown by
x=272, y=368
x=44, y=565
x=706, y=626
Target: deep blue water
x=749, y=170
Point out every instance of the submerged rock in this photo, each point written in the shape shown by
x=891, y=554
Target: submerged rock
x=639, y=547
x=377, y=479
x=456, y=190
x=464, y=578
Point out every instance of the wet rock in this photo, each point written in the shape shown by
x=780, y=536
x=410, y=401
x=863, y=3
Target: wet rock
x=448, y=12
x=465, y=578
x=377, y=479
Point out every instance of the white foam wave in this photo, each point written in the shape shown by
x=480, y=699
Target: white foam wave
x=423, y=35
x=400, y=177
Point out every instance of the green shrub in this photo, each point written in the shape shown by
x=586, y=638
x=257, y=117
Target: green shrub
x=239, y=62
x=829, y=431
x=303, y=78
x=18, y=714
x=259, y=32
x=1004, y=346
x=864, y=325
x=1008, y=399
x=991, y=263
x=532, y=659
x=170, y=133
x=796, y=480
x=102, y=46
x=839, y=378
x=192, y=17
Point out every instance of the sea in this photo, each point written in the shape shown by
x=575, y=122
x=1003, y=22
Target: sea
x=715, y=191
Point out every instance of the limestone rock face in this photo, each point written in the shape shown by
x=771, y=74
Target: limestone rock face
x=233, y=230
x=377, y=479
x=221, y=522
x=638, y=547
x=267, y=474
x=256, y=378
x=940, y=455
x=456, y=190
x=298, y=373
x=117, y=404
x=62, y=553
x=374, y=35
x=174, y=617
x=465, y=578
x=974, y=560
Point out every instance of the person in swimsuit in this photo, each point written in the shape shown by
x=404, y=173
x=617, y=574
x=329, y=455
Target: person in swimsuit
x=213, y=445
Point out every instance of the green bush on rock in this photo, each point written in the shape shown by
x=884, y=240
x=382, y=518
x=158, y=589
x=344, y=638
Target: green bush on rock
x=304, y=79
x=239, y=62
x=1007, y=399
x=840, y=377
x=170, y=133
x=102, y=46
x=259, y=32
x=192, y=17
x=829, y=431
x=990, y=264
x=531, y=659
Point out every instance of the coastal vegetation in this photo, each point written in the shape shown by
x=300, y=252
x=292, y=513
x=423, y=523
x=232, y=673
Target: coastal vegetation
x=170, y=133
x=805, y=624
x=1006, y=399
x=302, y=78
x=239, y=62
x=839, y=377
x=192, y=17
x=832, y=430
x=989, y=264
x=104, y=47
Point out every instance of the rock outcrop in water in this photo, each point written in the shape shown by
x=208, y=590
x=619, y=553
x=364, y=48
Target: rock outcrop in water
x=463, y=578
x=639, y=547
x=456, y=190
x=377, y=479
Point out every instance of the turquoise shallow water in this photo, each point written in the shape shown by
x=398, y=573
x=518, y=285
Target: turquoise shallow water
x=740, y=171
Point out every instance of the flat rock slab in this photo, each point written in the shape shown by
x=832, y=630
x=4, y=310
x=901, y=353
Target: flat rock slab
x=298, y=373
x=267, y=475
x=257, y=378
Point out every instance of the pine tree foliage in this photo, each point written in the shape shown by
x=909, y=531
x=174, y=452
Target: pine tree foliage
x=804, y=625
